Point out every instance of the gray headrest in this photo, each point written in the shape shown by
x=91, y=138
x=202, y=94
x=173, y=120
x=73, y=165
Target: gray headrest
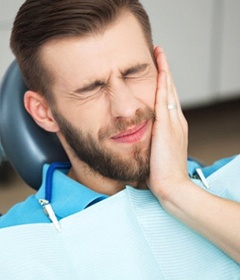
x=26, y=145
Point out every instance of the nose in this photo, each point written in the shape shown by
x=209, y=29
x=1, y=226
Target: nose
x=124, y=102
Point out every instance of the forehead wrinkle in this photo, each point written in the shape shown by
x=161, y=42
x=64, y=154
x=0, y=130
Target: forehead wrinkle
x=135, y=68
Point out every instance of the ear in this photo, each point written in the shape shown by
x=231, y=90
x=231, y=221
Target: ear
x=38, y=108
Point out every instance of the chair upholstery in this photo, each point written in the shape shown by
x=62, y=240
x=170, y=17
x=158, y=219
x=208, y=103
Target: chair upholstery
x=26, y=145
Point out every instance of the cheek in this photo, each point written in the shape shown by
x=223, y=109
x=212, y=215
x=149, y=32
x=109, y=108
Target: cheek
x=146, y=92
x=94, y=118
x=152, y=94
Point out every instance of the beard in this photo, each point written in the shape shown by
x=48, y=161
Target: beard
x=103, y=160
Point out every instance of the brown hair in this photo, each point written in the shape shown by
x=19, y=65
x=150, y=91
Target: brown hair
x=39, y=21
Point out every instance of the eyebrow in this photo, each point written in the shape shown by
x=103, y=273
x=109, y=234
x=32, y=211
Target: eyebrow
x=135, y=69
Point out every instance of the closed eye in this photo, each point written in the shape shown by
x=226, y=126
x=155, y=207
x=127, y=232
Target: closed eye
x=87, y=92
x=90, y=87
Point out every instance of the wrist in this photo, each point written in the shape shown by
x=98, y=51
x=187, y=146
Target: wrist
x=176, y=195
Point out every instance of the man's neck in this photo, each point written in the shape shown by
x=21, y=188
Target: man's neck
x=95, y=181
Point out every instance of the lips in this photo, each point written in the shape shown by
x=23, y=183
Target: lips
x=131, y=135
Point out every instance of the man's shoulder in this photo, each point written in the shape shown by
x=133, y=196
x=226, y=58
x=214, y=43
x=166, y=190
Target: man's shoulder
x=28, y=211
x=194, y=164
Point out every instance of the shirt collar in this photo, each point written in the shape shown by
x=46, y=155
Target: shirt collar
x=68, y=196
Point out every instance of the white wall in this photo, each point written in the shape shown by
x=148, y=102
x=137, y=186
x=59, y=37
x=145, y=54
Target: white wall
x=200, y=37
x=229, y=76
x=8, y=10
x=183, y=29
x=202, y=41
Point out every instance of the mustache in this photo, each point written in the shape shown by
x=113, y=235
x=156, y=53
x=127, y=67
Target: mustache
x=122, y=124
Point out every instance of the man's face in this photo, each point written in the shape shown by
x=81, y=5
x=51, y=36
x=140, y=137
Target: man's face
x=104, y=90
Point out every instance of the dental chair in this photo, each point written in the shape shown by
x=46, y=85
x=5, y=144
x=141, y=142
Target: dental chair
x=26, y=145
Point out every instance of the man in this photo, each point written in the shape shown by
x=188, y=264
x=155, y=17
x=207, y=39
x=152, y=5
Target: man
x=95, y=80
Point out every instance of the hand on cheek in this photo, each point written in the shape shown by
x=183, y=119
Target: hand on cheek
x=168, y=161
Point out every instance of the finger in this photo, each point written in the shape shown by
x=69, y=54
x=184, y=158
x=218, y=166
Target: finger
x=180, y=115
x=172, y=101
x=161, y=109
x=177, y=102
x=163, y=87
x=167, y=94
x=172, y=92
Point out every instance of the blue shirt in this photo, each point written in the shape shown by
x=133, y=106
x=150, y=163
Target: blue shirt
x=69, y=197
